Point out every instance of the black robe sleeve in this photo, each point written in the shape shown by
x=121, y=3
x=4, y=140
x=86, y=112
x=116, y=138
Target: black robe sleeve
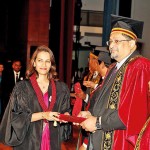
x=16, y=119
x=111, y=121
x=63, y=99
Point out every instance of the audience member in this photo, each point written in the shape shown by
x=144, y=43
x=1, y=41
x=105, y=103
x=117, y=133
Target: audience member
x=100, y=65
x=30, y=119
x=121, y=105
x=10, y=77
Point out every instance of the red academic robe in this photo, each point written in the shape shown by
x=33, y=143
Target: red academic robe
x=134, y=106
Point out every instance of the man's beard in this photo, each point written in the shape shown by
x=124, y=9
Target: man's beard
x=113, y=55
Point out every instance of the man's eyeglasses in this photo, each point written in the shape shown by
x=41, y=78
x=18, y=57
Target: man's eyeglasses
x=115, y=41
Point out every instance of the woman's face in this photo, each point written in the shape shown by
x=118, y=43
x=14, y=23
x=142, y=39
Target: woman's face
x=42, y=63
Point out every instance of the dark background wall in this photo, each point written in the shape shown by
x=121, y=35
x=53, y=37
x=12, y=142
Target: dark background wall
x=25, y=25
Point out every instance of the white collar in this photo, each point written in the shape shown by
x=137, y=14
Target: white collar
x=103, y=77
x=17, y=72
x=119, y=64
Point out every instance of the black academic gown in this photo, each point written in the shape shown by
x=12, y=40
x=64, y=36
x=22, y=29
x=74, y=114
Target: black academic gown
x=98, y=108
x=16, y=128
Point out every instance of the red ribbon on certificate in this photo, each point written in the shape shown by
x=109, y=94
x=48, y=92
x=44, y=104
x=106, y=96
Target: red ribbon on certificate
x=71, y=118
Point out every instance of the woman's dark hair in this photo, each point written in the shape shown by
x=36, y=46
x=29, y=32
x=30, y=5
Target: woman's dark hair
x=31, y=69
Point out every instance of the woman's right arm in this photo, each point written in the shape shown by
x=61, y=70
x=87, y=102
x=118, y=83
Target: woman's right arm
x=50, y=116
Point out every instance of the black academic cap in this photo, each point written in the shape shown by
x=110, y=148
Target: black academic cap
x=128, y=26
x=94, y=53
x=104, y=55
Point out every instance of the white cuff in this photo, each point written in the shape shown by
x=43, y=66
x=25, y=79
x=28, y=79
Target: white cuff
x=87, y=98
x=95, y=86
x=84, y=145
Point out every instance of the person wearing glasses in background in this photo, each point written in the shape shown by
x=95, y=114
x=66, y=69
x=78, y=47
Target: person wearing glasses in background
x=121, y=107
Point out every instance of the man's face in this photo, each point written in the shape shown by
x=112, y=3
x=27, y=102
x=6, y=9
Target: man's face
x=16, y=66
x=92, y=64
x=101, y=68
x=120, y=47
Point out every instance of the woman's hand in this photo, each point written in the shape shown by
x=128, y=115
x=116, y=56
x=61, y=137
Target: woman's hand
x=50, y=116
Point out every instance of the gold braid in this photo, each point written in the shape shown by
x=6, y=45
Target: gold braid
x=137, y=146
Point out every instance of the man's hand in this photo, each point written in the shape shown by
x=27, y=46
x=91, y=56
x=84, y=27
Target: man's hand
x=84, y=114
x=81, y=95
x=89, y=124
x=89, y=84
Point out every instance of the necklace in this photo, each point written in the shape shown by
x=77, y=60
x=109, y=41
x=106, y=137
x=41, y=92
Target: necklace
x=40, y=95
x=43, y=86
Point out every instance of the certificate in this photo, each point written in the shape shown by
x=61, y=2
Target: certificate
x=71, y=118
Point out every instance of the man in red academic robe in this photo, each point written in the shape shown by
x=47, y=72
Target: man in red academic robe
x=121, y=104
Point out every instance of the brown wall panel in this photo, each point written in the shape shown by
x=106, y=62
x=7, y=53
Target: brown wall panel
x=38, y=21
x=38, y=24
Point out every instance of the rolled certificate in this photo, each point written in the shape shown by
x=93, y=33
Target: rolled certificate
x=71, y=118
